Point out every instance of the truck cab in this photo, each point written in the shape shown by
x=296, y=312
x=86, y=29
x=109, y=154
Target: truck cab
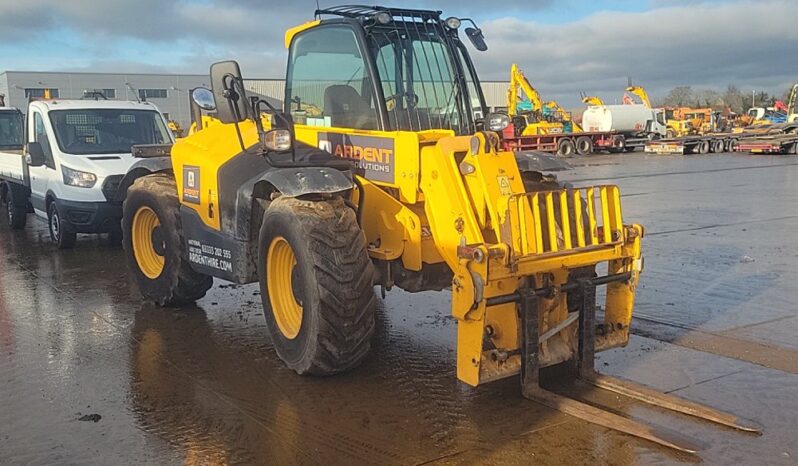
x=77, y=152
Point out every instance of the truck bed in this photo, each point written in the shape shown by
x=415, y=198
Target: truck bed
x=12, y=165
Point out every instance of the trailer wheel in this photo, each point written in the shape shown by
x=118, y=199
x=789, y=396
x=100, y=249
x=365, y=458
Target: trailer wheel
x=566, y=148
x=584, y=145
x=702, y=147
x=61, y=231
x=717, y=146
x=316, y=282
x=793, y=149
x=728, y=145
x=17, y=215
x=152, y=237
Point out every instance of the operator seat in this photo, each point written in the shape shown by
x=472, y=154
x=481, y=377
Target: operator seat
x=346, y=108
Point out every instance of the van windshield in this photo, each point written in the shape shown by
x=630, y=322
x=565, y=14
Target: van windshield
x=107, y=131
x=10, y=130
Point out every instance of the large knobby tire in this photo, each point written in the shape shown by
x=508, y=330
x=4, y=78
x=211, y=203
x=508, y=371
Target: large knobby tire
x=152, y=237
x=316, y=285
x=584, y=145
x=566, y=148
x=17, y=215
x=61, y=231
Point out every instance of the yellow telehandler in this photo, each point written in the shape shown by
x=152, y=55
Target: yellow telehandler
x=399, y=181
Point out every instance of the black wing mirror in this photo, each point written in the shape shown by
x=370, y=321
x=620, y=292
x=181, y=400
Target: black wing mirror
x=229, y=94
x=477, y=39
x=36, y=157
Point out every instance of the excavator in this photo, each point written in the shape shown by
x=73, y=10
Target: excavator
x=592, y=100
x=530, y=113
x=402, y=181
x=569, y=125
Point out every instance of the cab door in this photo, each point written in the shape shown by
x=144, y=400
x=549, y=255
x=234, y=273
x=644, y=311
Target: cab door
x=40, y=177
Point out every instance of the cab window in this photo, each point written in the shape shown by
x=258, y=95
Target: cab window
x=40, y=136
x=328, y=82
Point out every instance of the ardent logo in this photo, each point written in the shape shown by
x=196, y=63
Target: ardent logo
x=374, y=156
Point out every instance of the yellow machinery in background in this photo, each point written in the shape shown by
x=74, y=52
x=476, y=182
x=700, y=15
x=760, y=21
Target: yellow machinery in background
x=792, y=104
x=592, y=100
x=401, y=181
x=528, y=111
x=675, y=124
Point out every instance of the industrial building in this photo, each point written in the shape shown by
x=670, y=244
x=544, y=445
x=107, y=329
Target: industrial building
x=167, y=91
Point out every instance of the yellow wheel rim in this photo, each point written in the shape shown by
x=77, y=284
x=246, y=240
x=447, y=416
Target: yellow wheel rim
x=150, y=262
x=280, y=263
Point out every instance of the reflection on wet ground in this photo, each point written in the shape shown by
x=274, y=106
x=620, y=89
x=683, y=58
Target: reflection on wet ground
x=717, y=323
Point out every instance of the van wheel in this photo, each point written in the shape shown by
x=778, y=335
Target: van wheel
x=60, y=230
x=316, y=282
x=17, y=216
x=155, y=246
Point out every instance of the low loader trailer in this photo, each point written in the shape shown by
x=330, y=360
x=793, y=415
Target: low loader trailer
x=769, y=144
x=569, y=144
x=693, y=144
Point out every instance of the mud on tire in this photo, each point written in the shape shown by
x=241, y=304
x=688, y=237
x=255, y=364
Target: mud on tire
x=177, y=283
x=331, y=280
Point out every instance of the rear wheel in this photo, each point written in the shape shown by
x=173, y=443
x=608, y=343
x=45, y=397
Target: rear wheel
x=316, y=285
x=17, y=215
x=703, y=147
x=584, y=145
x=565, y=147
x=717, y=146
x=61, y=231
x=154, y=244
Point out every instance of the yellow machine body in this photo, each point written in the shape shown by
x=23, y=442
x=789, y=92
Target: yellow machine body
x=460, y=200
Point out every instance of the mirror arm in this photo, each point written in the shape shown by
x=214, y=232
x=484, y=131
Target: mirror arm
x=231, y=94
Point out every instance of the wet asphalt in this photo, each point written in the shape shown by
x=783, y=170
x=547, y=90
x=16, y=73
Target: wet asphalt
x=90, y=374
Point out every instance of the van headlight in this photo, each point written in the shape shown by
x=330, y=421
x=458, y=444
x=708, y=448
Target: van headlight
x=78, y=178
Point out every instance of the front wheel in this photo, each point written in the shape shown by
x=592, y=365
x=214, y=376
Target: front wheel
x=316, y=285
x=152, y=237
x=61, y=231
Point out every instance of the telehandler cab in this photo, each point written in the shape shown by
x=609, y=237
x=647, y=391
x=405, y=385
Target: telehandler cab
x=394, y=177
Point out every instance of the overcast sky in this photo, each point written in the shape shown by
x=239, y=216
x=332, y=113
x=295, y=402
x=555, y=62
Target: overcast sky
x=564, y=46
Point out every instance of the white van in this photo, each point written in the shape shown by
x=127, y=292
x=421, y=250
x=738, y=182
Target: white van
x=74, y=155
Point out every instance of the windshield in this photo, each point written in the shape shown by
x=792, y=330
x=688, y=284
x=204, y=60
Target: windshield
x=11, y=130
x=424, y=79
x=107, y=131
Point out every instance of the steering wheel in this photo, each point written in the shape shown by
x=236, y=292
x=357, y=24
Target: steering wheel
x=410, y=97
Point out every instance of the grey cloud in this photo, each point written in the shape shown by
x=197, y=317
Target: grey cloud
x=703, y=45
x=700, y=45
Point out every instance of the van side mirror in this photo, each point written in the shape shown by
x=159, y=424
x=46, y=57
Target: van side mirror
x=36, y=157
x=229, y=94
